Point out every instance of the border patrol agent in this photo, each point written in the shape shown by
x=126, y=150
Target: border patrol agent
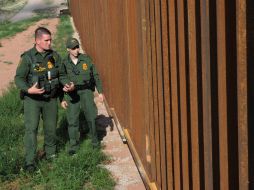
x=80, y=71
x=37, y=77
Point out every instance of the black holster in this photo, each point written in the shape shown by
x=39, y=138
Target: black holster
x=22, y=94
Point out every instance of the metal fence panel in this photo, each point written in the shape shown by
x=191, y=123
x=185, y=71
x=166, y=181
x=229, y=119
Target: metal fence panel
x=175, y=72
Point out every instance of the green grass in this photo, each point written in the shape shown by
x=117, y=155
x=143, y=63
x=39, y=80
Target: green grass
x=48, y=2
x=12, y=5
x=8, y=29
x=82, y=171
x=72, y=172
x=11, y=134
x=8, y=2
x=65, y=31
x=8, y=8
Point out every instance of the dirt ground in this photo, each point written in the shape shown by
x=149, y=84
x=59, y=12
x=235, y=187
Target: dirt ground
x=12, y=48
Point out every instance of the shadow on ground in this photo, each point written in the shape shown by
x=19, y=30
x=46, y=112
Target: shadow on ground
x=102, y=122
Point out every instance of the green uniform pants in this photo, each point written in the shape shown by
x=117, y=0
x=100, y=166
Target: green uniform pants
x=81, y=100
x=32, y=111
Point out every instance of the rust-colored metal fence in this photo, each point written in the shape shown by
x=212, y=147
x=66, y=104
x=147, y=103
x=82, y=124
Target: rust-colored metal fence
x=179, y=75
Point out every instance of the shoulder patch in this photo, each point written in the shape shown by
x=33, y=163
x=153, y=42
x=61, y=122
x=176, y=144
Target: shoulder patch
x=23, y=54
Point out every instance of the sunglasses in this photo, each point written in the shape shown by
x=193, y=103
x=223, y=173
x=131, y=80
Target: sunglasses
x=76, y=47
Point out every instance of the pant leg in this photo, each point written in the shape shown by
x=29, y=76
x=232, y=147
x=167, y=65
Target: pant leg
x=90, y=111
x=32, y=112
x=73, y=111
x=49, y=116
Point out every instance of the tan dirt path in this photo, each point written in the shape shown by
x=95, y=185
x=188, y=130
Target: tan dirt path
x=13, y=47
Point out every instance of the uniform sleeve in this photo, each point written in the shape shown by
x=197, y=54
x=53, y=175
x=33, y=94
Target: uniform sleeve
x=63, y=74
x=61, y=71
x=22, y=73
x=97, y=79
x=59, y=62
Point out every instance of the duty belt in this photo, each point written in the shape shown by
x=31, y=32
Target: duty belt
x=45, y=97
x=82, y=87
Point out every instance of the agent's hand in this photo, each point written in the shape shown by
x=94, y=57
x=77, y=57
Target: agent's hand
x=35, y=90
x=69, y=87
x=64, y=104
x=101, y=97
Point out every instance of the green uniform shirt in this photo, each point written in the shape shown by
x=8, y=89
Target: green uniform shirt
x=80, y=72
x=34, y=63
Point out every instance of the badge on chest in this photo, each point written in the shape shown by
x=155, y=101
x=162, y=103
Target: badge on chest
x=50, y=65
x=38, y=68
x=85, y=66
x=51, y=62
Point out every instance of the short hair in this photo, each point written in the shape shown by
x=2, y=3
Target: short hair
x=40, y=31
